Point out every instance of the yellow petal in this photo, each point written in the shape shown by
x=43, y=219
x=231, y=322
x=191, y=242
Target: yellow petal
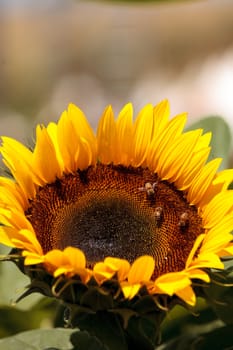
x=13, y=217
x=172, y=282
x=75, y=257
x=159, y=144
x=63, y=270
x=6, y=233
x=25, y=239
x=179, y=153
x=102, y=272
x=55, y=258
x=18, y=159
x=195, y=273
x=227, y=251
x=84, y=155
x=124, y=128
x=161, y=114
x=143, y=128
x=197, y=162
x=13, y=192
x=202, y=181
x=67, y=141
x=195, y=247
x=187, y=294
x=45, y=154
x=53, y=134
x=81, y=125
x=129, y=290
x=220, y=183
x=32, y=258
x=217, y=208
x=218, y=236
x=203, y=142
x=121, y=266
x=141, y=270
x=207, y=260
x=107, y=137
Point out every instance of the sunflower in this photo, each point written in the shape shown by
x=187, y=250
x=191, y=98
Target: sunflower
x=137, y=203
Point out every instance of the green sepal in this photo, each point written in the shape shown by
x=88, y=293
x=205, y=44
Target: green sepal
x=97, y=299
x=103, y=325
x=143, y=333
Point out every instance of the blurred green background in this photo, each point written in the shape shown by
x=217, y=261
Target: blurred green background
x=100, y=52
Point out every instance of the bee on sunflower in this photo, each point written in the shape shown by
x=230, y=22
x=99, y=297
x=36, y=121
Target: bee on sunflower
x=131, y=216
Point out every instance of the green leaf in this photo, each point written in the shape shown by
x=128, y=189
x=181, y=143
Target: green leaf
x=14, y=320
x=184, y=342
x=14, y=284
x=142, y=333
x=179, y=320
x=40, y=339
x=84, y=341
x=221, y=137
x=219, y=338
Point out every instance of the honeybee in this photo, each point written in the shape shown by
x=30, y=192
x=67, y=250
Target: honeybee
x=158, y=213
x=184, y=220
x=149, y=188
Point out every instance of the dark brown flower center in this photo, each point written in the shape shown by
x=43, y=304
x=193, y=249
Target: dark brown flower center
x=116, y=211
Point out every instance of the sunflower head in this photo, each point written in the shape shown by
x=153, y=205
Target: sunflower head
x=131, y=212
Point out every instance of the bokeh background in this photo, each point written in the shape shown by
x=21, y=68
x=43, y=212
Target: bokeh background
x=95, y=53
